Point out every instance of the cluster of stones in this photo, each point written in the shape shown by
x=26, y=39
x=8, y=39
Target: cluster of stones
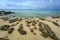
x=46, y=31
x=7, y=28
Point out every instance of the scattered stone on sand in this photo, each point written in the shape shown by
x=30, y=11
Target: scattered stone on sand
x=20, y=19
x=55, y=17
x=13, y=25
x=56, y=24
x=21, y=31
x=3, y=39
x=21, y=26
x=37, y=20
x=11, y=20
x=51, y=33
x=28, y=25
x=47, y=32
x=4, y=18
x=43, y=30
x=35, y=28
x=57, y=20
x=10, y=30
x=32, y=30
x=4, y=27
x=34, y=22
x=42, y=18
x=28, y=22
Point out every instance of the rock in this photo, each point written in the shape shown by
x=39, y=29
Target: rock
x=6, y=13
x=3, y=39
x=4, y=27
x=10, y=30
x=34, y=22
x=35, y=27
x=22, y=32
x=51, y=33
x=20, y=19
x=28, y=22
x=21, y=27
x=28, y=25
x=32, y=30
x=42, y=18
x=11, y=20
x=43, y=30
x=4, y=18
x=56, y=17
x=56, y=24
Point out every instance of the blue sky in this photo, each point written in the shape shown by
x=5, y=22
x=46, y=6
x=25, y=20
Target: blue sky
x=30, y=4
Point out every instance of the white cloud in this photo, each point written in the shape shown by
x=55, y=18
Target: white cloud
x=25, y=4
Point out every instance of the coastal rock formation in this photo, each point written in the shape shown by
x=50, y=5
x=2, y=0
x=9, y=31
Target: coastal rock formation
x=5, y=13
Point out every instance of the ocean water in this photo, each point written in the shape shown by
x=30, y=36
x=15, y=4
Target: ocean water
x=31, y=13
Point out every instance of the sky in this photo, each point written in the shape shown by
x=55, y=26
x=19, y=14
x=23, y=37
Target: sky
x=30, y=4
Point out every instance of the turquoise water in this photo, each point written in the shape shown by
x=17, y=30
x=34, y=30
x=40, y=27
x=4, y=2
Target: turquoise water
x=32, y=13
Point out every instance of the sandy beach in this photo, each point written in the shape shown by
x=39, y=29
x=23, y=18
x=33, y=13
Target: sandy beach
x=37, y=35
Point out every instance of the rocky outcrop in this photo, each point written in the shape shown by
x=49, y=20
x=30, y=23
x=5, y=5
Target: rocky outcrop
x=6, y=13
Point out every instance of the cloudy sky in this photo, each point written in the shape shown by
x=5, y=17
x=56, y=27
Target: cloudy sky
x=30, y=4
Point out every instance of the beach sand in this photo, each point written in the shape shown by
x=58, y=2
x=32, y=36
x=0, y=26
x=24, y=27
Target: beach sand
x=29, y=36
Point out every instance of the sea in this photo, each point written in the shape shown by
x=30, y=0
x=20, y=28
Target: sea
x=32, y=13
